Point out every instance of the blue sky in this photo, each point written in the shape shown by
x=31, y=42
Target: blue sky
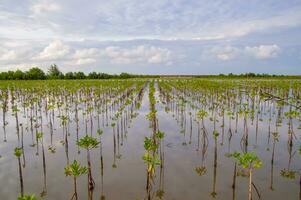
x=152, y=37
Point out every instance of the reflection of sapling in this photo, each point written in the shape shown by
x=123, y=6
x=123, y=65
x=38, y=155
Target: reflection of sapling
x=289, y=174
x=99, y=132
x=215, y=134
x=28, y=197
x=201, y=170
x=202, y=114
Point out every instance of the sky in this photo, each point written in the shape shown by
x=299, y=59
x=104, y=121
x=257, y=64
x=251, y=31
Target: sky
x=152, y=37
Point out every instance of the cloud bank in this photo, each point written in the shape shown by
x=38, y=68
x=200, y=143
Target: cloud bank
x=156, y=36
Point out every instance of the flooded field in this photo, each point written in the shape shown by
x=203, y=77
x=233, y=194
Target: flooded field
x=151, y=139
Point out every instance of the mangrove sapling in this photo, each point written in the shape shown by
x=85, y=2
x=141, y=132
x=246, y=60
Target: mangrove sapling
x=202, y=170
x=234, y=155
x=230, y=134
x=31, y=119
x=236, y=121
x=256, y=129
x=100, y=132
x=15, y=111
x=40, y=138
x=114, y=145
x=18, y=152
x=190, y=135
x=118, y=140
x=4, y=98
x=248, y=161
x=151, y=162
x=160, y=135
x=160, y=192
x=201, y=114
x=287, y=172
x=151, y=157
x=22, y=144
x=90, y=112
x=215, y=135
x=88, y=143
x=75, y=170
x=276, y=139
x=38, y=135
x=50, y=108
x=245, y=138
x=223, y=125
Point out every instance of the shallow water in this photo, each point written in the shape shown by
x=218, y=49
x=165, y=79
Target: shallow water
x=182, y=154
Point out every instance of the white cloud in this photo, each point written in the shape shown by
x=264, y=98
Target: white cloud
x=7, y=55
x=227, y=53
x=221, y=52
x=85, y=61
x=230, y=52
x=82, y=53
x=85, y=56
x=44, y=7
x=238, y=28
x=129, y=19
x=55, y=50
x=141, y=54
x=263, y=51
x=138, y=55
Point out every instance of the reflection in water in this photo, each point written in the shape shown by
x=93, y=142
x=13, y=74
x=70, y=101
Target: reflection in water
x=202, y=169
x=102, y=196
x=275, y=139
x=22, y=145
x=18, y=153
x=198, y=125
x=214, y=193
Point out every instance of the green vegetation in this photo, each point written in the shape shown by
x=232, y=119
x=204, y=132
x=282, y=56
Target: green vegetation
x=203, y=119
x=28, y=197
x=88, y=142
x=53, y=72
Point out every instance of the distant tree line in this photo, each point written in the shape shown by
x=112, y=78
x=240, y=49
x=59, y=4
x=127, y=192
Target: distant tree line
x=53, y=72
x=251, y=75
x=243, y=75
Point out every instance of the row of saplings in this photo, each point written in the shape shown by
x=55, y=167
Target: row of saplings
x=249, y=161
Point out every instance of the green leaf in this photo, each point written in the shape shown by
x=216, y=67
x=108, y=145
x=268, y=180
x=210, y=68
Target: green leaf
x=75, y=169
x=88, y=142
